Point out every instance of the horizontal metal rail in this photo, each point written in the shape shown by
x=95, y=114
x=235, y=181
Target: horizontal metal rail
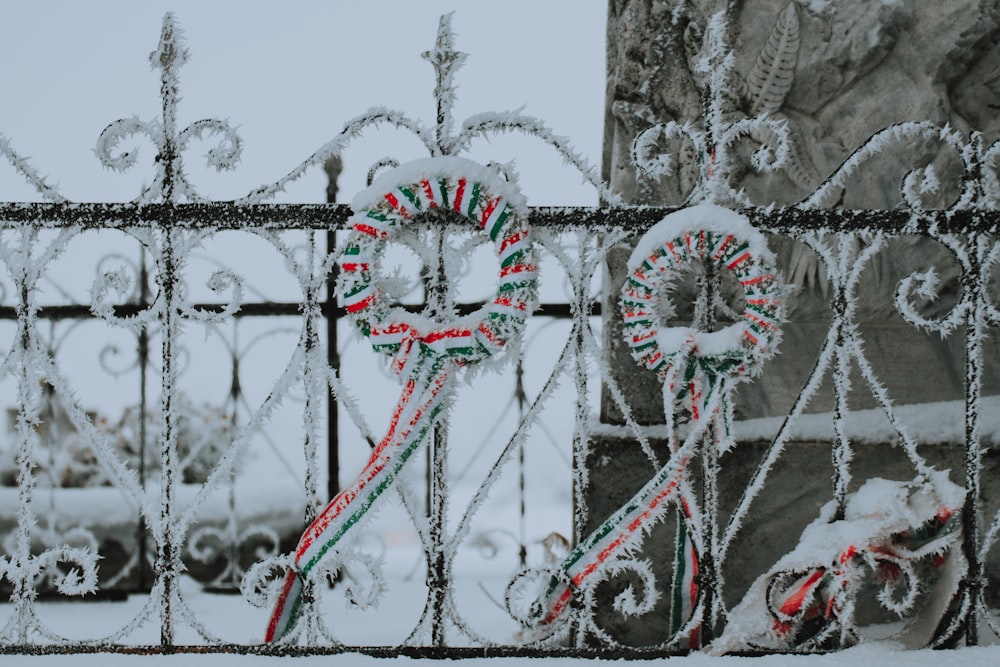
x=228, y=216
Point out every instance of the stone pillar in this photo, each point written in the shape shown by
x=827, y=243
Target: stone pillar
x=847, y=68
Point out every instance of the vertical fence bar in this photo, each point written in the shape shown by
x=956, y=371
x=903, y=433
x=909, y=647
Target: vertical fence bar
x=142, y=546
x=437, y=578
x=167, y=554
x=333, y=361
x=841, y=450
x=437, y=479
x=310, y=444
x=168, y=57
x=579, y=310
x=27, y=436
x=310, y=411
x=332, y=166
x=841, y=453
x=705, y=320
x=974, y=331
x=522, y=399
x=232, y=529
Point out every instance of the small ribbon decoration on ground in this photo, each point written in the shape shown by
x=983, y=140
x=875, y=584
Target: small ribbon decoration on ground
x=423, y=352
x=908, y=534
x=698, y=370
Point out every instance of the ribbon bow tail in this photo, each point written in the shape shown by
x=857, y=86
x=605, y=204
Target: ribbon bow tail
x=424, y=396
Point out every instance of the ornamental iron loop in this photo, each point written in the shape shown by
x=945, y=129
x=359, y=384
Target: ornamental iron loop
x=149, y=298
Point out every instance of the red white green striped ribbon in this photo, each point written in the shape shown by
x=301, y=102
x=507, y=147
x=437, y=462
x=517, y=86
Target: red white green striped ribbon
x=819, y=594
x=626, y=527
x=424, y=396
x=685, y=591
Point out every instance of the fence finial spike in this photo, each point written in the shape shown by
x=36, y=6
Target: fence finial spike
x=446, y=61
x=170, y=53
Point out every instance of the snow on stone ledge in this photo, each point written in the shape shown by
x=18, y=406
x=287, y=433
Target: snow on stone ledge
x=940, y=423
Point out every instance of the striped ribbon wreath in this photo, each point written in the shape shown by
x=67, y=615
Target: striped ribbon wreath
x=699, y=371
x=423, y=352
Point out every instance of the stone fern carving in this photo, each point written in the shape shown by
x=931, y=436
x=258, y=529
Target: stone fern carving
x=768, y=85
x=773, y=72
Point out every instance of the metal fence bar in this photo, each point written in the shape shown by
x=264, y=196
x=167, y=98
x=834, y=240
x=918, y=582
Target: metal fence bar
x=222, y=216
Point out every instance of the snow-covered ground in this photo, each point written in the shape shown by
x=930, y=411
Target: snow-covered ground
x=862, y=656
x=880, y=654
x=231, y=617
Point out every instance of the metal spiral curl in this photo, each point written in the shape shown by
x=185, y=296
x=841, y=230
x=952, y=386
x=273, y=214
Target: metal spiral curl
x=589, y=619
x=219, y=282
x=261, y=585
x=978, y=186
x=117, y=132
x=208, y=543
x=926, y=285
x=899, y=134
x=169, y=57
x=225, y=155
x=772, y=153
x=919, y=185
x=123, y=262
x=47, y=566
x=363, y=576
x=528, y=586
x=120, y=283
x=906, y=580
x=651, y=158
x=656, y=162
x=625, y=602
x=79, y=580
x=111, y=351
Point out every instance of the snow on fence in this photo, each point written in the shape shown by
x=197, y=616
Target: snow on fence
x=471, y=558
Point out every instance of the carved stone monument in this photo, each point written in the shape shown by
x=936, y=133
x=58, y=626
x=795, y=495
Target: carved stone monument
x=835, y=72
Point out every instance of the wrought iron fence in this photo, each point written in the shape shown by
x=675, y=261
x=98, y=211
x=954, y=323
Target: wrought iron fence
x=161, y=463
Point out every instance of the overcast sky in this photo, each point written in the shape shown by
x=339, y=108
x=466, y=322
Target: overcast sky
x=289, y=78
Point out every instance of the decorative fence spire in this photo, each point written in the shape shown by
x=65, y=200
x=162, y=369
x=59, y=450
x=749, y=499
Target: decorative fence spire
x=446, y=61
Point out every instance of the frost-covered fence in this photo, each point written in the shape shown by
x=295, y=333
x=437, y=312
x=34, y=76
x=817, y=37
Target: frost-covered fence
x=490, y=540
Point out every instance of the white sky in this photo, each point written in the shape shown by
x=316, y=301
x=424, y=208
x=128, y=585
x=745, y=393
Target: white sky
x=289, y=79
